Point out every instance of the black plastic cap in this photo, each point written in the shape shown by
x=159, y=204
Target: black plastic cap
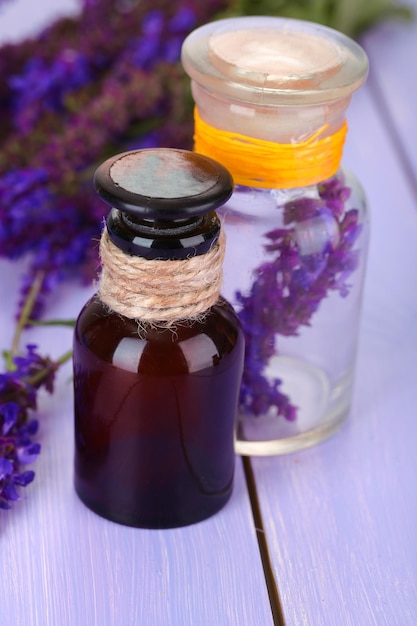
x=163, y=184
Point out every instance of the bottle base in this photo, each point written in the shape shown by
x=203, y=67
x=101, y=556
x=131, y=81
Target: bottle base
x=155, y=521
x=322, y=408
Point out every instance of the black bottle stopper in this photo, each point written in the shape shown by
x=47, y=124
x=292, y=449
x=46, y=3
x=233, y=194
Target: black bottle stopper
x=163, y=201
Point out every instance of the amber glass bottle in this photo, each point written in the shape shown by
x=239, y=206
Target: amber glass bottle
x=155, y=401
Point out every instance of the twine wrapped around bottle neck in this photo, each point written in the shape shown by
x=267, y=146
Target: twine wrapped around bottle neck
x=160, y=291
x=267, y=164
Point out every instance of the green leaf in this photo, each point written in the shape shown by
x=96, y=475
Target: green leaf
x=352, y=17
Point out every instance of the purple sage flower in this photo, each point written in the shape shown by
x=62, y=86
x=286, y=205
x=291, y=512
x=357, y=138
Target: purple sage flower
x=288, y=289
x=18, y=391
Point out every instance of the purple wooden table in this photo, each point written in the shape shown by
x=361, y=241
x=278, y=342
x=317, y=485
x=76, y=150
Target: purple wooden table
x=327, y=536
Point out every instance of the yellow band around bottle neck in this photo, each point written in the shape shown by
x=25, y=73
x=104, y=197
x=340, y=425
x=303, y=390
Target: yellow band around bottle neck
x=260, y=163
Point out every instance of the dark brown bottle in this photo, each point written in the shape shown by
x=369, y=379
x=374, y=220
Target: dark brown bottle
x=155, y=405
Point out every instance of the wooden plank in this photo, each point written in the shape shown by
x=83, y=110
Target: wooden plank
x=392, y=50
x=341, y=518
x=18, y=19
x=62, y=564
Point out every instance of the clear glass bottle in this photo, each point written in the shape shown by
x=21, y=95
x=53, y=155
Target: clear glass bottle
x=271, y=96
x=155, y=402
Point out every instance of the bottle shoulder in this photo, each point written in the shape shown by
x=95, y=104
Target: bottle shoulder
x=185, y=347
x=339, y=194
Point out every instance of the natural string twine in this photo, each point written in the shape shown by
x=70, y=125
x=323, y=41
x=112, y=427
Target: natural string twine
x=161, y=292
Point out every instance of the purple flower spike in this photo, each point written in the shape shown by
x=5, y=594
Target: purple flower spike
x=9, y=411
x=24, y=478
x=309, y=258
x=184, y=20
x=18, y=394
x=9, y=490
x=6, y=468
x=28, y=454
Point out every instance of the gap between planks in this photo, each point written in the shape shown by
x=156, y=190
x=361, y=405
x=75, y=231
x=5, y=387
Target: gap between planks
x=381, y=105
x=273, y=593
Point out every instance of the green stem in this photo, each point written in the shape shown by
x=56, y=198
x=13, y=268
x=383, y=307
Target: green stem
x=23, y=321
x=70, y=323
x=25, y=314
x=42, y=374
x=64, y=358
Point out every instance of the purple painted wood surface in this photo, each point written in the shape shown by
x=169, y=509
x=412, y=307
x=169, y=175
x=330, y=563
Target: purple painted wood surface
x=393, y=52
x=60, y=564
x=341, y=519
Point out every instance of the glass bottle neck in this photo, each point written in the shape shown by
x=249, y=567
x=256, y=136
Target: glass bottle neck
x=280, y=124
